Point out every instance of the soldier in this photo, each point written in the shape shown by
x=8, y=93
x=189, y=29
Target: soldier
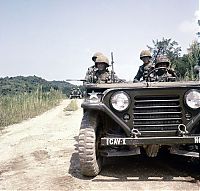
x=164, y=72
x=93, y=68
x=146, y=67
x=101, y=74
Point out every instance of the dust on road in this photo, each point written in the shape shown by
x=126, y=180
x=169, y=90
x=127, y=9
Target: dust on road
x=41, y=154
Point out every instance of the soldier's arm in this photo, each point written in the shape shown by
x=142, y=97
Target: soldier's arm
x=172, y=72
x=138, y=75
x=89, y=75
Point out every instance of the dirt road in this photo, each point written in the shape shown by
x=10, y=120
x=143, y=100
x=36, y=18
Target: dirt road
x=41, y=154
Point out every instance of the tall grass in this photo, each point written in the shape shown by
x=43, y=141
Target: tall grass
x=15, y=108
x=73, y=106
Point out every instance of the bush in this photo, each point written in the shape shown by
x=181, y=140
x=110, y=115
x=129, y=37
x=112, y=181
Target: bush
x=72, y=106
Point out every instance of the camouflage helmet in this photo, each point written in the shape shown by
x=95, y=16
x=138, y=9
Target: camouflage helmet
x=96, y=55
x=102, y=59
x=162, y=59
x=145, y=53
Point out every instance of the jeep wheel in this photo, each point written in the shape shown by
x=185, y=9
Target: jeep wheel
x=90, y=159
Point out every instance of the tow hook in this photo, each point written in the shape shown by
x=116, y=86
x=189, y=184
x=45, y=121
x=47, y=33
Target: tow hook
x=182, y=130
x=135, y=133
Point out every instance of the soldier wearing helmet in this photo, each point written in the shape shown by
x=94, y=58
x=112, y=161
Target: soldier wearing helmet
x=146, y=67
x=162, y=61
x=101, y=74
x=92, y=69
x=163, y=70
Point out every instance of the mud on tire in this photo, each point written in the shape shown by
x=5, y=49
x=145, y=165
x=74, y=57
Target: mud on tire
x=90, y=160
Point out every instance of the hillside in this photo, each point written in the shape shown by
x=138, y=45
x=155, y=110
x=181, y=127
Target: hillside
x=21, y=84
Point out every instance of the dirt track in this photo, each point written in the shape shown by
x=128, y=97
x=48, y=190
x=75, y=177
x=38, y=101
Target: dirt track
x=41, y=154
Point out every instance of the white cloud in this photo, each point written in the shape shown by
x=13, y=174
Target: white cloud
x=197, y=14
x=188, y=26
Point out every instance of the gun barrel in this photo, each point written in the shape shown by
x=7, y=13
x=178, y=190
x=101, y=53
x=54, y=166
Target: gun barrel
x=75, y=80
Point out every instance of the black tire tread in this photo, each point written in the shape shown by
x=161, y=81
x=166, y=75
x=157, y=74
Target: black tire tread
x=87, y=151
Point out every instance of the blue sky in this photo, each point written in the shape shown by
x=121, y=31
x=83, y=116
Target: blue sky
x=55, y=39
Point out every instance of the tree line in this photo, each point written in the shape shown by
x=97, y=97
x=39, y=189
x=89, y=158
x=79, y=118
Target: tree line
x=183, y=65
x=20, y=84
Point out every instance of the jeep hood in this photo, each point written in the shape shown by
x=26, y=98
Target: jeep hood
x=145, y=85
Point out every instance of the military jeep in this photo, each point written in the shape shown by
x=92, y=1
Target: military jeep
x=123, y=119
x=75, y=93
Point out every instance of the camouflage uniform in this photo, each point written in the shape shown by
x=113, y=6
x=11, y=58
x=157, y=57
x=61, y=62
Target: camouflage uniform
x=90, y=74
x=91, y=70
x=145, y=68
x=143, y=71
x=102, y=77
x=165, y=73
x=94, y=75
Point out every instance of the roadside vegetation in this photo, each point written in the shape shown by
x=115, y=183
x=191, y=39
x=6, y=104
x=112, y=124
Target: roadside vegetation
x=183, y=64
x=25, y=97
x=21, y=84
x=72, y=106
x=15, y=108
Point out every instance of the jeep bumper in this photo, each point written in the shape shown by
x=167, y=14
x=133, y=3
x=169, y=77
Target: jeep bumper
x=150, y=140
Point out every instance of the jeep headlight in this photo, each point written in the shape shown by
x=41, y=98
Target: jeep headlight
x=120, y=101
x=192, y=99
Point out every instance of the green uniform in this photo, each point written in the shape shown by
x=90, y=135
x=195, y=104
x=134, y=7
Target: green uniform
x=143, y=71
x=93, y=75
x=97, y=74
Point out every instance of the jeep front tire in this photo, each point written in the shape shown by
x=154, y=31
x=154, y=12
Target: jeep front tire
x=90, y=159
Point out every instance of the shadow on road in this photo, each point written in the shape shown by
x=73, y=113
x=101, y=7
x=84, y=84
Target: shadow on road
x=141, y=168
x=74, y=168
x=165, y=167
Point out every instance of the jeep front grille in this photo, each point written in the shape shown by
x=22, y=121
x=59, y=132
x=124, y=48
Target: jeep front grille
x=156, y=113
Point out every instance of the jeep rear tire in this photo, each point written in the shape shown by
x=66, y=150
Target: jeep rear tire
x=90, y=159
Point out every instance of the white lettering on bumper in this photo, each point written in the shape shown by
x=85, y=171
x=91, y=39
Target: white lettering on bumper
x=116, y=141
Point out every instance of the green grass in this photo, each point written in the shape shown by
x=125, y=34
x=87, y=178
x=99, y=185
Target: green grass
x=16, y=108
x=72, y=106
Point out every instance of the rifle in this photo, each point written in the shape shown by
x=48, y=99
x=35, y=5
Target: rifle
x=112, y=70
